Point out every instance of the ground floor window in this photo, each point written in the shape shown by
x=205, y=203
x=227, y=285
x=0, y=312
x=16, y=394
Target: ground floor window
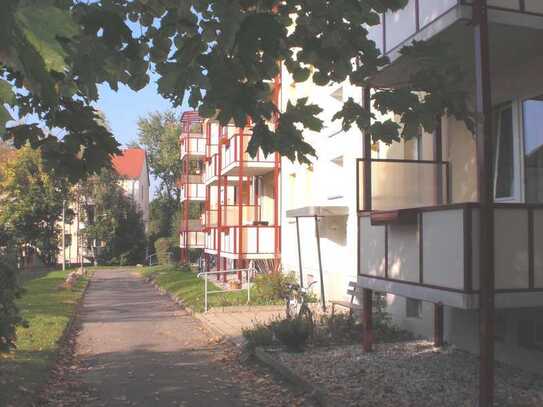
x=518, y=159
x=530, y=334
x=532, y=110
x=413, y=308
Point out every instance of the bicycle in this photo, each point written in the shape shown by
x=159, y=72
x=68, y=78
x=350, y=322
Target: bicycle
x=297, y=303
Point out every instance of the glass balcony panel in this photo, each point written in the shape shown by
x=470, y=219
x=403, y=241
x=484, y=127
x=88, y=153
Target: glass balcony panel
x=430, y=10
x=400, y=25
x=401, y=184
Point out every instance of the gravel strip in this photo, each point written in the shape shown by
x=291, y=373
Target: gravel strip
x=411, y=374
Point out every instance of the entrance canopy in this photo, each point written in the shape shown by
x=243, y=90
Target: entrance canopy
x=318, y=211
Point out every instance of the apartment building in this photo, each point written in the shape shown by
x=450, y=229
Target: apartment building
x=131, y=167
x=237, y=214
x=459, y=263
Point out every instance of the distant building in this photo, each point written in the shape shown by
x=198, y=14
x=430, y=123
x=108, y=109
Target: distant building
x=131, y=166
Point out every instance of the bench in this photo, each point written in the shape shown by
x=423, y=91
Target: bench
x=352, y=290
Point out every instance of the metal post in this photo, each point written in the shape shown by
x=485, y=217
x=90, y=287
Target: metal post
x=317, y=234
x=438, y=325
x=205, y=289
x=299, y=252
x=366, y=103
x=438, y=156
x=367, y=315
x=486, y=198
x=63, y=235
x=248, y=285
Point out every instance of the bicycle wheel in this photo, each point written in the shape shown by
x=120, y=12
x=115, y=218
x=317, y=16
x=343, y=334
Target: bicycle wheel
x=306, y=315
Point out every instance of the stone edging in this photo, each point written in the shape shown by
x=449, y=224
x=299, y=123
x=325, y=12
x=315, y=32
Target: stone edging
x=318, y=396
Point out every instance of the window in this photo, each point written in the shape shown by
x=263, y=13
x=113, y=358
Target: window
x=505, y=155
x=538, y=337
x=67, y=240
x=530, y=334
x=501, y=327
x=413, y=308
x=533, y=148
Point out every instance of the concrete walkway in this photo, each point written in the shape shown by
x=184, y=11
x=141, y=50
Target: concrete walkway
x=230, y=321
x=138, y=349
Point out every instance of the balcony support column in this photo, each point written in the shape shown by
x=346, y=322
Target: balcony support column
x=367, y=319
x=366, y=104
x=299, y=251
x=321, y=283
x=486, y=198
x=438, y=325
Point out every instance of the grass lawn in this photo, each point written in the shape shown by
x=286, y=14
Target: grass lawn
x=47, y=310
x=188, y=287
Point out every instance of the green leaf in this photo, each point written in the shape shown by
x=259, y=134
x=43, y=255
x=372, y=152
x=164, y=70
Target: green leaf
x=44, y=27
x=6, y=93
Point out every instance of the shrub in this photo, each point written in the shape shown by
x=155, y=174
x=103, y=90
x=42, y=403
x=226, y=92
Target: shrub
x=259, y=335
x=163, y=248
x=9, y=313
x=271, y=287
x=292, y=333
x=338, y=328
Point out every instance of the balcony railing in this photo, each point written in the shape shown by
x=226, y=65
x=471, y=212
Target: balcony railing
x=438, y=249
x=194, y=225
x=193, y=145
x=231, y=213
x=193, y=239
x=193, y=192
x=249, y=241
x=401, y=184
x=211, y=168
x=235, y=151
x=191, y=179
x=211, y=217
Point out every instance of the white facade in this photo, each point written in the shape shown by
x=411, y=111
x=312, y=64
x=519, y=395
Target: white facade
x=328, y=182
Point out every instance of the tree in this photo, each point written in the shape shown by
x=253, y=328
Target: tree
x=161, y=217
x=159, y=134
x=31, y=204
x=116, y=229
x=226, y=55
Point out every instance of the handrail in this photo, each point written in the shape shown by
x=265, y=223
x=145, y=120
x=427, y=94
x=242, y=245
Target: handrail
x=247, y=271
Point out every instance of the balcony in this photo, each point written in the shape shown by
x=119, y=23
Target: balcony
x=446, y=20
x=210, y=218
x=192, y=240
x=402, y=184
x=193, y=146
x=211, y=173
x=248, y=242
x=434, y=256
x=230, y=215
x=236, y=161
x=194, y=225
x=193, y=192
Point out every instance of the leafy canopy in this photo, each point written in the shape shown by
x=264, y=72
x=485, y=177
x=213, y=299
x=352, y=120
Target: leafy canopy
x=159, y=134
x=31, y=204
x=224, y=55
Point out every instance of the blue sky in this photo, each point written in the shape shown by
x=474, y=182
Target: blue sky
x=124, y=107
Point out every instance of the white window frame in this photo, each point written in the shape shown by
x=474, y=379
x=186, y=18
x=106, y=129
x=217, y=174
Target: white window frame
x=518, y=152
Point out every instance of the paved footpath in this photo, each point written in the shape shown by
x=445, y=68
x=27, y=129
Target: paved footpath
x=136, y=348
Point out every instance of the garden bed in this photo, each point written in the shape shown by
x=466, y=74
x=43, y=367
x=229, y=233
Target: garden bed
x=410, y=373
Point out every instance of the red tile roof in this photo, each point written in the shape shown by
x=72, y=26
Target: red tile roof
x=129, y=164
